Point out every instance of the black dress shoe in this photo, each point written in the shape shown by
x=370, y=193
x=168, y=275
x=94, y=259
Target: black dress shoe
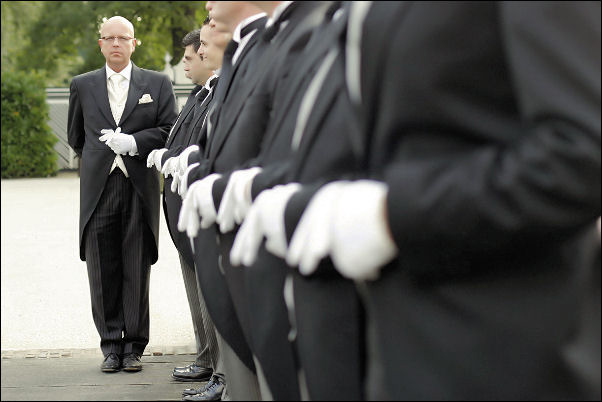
x=111, y=363
x=192, y=373
x=213, y=392
x=183, y=368
x=131, y=362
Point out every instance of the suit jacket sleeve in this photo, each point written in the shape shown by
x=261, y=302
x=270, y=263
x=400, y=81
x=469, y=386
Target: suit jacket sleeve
x=547, y=181
x=270, y=176
x=153, y=138
x=75, y=121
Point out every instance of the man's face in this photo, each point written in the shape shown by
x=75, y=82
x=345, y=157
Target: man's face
x=119, y=49
x=194, y=68
x=204, y=40
x=215, y=44
x=224, y=14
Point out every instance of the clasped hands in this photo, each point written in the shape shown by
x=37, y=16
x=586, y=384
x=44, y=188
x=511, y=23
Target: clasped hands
x=198, y=201
x=119, y=142
x=346, y=221
x=176, y=166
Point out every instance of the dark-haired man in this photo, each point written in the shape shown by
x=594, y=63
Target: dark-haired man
x=179, y=138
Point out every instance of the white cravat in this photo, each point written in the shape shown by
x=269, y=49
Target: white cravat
x=117, y=87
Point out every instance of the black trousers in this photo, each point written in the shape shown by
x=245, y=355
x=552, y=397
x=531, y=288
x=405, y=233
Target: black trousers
x=118, y=261
x=204, y=331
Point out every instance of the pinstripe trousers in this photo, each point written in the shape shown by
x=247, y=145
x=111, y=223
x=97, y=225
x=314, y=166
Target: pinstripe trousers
x=204, y=331
x=118, y=261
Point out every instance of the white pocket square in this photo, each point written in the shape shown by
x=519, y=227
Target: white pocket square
x=146, y=98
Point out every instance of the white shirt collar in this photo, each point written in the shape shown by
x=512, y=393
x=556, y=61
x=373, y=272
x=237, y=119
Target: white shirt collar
x=242, y=42
x=209, y=81
x=126, y=72
x=236, y=35
x=278, y=12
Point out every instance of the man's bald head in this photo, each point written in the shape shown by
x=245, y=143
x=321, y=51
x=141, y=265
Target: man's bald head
x=118, y=20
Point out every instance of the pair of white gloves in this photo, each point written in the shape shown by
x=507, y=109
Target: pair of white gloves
x=176, y=166
x=119, y=142
x=344, y=220
x=198, y=209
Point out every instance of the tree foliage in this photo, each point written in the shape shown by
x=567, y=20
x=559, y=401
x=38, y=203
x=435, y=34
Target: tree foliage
x=27, y=140
x=64, y=39
x=17, y=18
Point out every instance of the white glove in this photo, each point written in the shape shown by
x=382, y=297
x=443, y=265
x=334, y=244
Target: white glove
x=177, y=177
x=196, y=199
x=361, y=241
x=236, y=200
x=121, y=143
x=311, y=240
x=265, y=218
x=183, y=180
x=154, y=158
x=107, y=134
x=170, y=166
x=202, y=192
x=188, y=220
x=183, y=157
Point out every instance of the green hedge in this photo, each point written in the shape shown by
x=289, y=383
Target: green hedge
x=27, y=140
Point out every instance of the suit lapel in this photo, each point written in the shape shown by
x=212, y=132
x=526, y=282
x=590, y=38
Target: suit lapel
x=240, y=61
x=99, y=83
x=317, y=49
x=331, y=89
x=239, y=101
x=203, y=109
x=137, y=86
x=373, y=58
x=188, y=107
x=196, y=120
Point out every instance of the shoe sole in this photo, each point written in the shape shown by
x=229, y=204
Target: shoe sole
x=132, y=369
x=181, y=379
x=107, y=370
x=183, y=395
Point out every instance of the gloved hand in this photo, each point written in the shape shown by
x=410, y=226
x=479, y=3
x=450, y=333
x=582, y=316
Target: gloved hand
x=188, y=220
x=183, y=157
x=199, y=211
x=265, y=218
x=170, y=166
x=120, y=143
x=154, y=158
x=312, y=240
x=203, y=194
x=236, y=200
x=177, y=177
x=361, y=240
x=107, y=134
x=183, y=180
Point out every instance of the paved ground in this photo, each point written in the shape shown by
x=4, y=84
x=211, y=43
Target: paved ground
x=50, y=347
x=78, y=378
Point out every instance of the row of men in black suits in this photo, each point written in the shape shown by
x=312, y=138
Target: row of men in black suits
x=398, y=200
